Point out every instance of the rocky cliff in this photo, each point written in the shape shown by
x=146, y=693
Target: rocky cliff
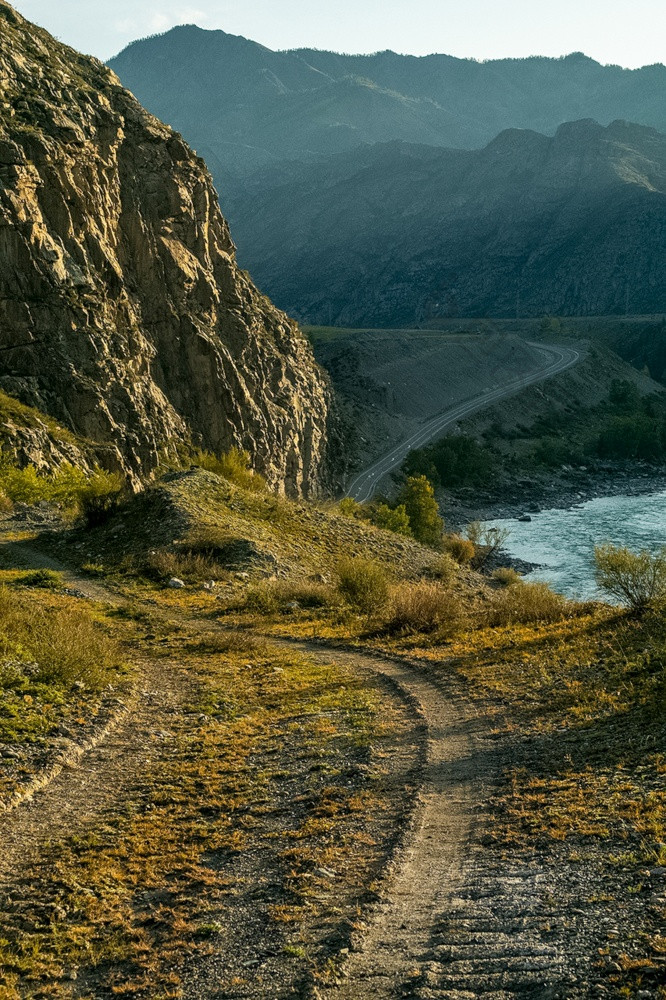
x=123, y=312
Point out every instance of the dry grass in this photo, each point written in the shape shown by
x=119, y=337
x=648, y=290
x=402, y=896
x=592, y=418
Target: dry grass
x=506, y=576
x=460, y=549
x=61, y=645
x=525, y=603
x=278, y=596
x=422, y=608
x=364, y=584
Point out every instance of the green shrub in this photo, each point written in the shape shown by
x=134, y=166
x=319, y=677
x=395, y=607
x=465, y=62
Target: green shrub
x=364, y=584
x=349, y=507
x=421, y=607
x=506, y=576
x=234, y=466
x=68, y=486
x=392, y=519
x=65, y=645
x=637, y=579
x=527, y=603
x=460, y=549
x=47, y=579
x=418, y=498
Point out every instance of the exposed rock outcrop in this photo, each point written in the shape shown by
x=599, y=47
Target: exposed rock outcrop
x=123, y=313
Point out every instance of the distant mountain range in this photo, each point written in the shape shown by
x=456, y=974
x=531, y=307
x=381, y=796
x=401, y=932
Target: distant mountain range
x=397, y=234
x=391, y=189
x=242, y=105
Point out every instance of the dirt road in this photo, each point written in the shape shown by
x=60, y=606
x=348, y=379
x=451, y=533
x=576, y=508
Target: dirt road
x=453, y=919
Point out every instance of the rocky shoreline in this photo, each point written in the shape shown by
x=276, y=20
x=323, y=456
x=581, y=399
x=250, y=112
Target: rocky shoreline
x=566, y=488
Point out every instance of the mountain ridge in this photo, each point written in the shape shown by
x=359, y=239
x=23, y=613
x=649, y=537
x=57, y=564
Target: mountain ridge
x=397, y=234
x=254, y=106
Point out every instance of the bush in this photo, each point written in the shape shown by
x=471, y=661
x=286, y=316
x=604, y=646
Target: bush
x=349, y=507
x=527, y=603
x=363, y=584
x=162, y=564
x=418, y=498
x=487, y=542
x=234, y=466
x=68, y=486
x=392, y=519
x=460, y=549
x=421, y=607
x=506, y=576
x=275, y=595
x=47, y=579
x=444, y=569
x=637, y=579
x=65, y=645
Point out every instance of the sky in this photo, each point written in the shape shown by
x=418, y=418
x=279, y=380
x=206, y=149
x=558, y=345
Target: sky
x=625, y=32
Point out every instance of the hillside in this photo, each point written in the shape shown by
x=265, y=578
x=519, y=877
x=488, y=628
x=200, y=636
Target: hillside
x=254, y=783
x=124, y=314
x=530, y=225
x=247, y=106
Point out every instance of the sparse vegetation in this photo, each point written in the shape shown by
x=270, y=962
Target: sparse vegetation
x=69, y=487
x=275, y=596
x=637, y=579
x=422, y=607
x=364, y=584
x=52, y=645
x=234, y=466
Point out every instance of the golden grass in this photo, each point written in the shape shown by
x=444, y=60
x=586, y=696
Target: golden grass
x=268, y=721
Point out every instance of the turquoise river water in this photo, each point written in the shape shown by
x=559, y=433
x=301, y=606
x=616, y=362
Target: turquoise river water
x=562, y=541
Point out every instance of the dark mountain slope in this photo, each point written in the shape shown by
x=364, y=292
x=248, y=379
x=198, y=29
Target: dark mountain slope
x=244, y=106
x=123, y=313
x=395, y=234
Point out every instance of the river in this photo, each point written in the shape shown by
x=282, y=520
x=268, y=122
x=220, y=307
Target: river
x=562, y=541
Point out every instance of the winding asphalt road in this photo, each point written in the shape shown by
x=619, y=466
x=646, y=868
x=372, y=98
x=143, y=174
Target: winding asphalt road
x=556, y=360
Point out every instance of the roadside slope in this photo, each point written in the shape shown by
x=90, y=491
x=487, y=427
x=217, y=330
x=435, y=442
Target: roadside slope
x=554, y=360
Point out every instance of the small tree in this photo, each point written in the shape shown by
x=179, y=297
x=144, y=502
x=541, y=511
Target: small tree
x=637, y=579
x=418, y=498
x=392, y=519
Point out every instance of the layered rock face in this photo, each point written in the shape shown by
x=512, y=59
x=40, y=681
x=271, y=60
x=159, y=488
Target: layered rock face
x=123, y=312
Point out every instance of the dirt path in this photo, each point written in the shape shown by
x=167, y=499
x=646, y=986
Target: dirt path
x=427, y=872
x=80, y=795
x=454, y=919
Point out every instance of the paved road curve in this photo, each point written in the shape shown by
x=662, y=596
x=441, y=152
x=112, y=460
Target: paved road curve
x=556, y=360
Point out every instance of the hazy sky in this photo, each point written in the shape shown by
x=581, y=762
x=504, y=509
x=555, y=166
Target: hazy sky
x=628, y=32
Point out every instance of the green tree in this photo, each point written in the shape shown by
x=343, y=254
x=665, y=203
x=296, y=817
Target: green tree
x=418, y=498
x=395, y=519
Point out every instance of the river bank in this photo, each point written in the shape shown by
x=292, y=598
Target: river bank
x=558, y=490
